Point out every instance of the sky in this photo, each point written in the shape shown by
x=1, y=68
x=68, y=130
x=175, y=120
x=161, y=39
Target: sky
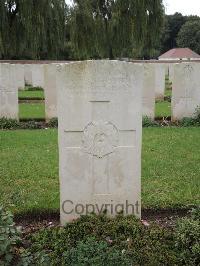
x=186, y=7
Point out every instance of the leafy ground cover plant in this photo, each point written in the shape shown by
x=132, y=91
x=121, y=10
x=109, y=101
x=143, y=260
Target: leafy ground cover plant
x=12, y=251
x=100, y=240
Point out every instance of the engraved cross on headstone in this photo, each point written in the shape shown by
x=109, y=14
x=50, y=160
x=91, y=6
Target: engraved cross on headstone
x=100, y=139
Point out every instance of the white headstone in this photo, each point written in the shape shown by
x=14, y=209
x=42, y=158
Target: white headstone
x=186, y=90
x=20, y=76
x=160, y=80
x=100, y=133
x=37, y=75
x=8, y=92
x=171, y=72
x=28, y=74
x=50, y=91
x=148, y=108
x=166, y=68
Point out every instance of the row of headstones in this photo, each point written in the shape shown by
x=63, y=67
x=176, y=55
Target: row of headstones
x=16, y=76
x=185, y=78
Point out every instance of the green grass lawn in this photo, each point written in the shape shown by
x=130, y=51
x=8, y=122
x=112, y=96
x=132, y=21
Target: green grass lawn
x=31, y=110
x=28, y=110
x=31, y=94
x=37, y=110
x=163, y=109
x=29, y=168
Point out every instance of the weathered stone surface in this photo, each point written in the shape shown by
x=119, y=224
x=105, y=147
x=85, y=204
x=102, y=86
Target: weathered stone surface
x=8, y=91
x=166, y=68
x=37, y=75
x=20, y=79
x=100, y=130
x=50, y=91
x=160, y=80
x=148, y=108
x=186, y=90
x=171, y=72
x=28, y=74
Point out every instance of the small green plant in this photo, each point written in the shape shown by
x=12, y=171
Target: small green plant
x=187, y=122
x=195, y=213
x=53, y=122
x=187, y=235
x=26, y=85
x=167, y=99
x=9, y=237
x=100, y=240
x=11, y=249
x=148, y=122
x=93, y=252
x=30, y=125
x=34, y=259
x=12, y=124
x=192, y=121
x=8, y=123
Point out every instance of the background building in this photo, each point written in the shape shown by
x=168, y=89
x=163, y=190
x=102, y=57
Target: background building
x=180, y=54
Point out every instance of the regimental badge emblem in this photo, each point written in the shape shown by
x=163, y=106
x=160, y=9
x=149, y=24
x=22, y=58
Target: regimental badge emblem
x=100, y=138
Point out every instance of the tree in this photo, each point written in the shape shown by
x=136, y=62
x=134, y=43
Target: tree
x=114, y=28
x=172, y=26
x=33, y=29
x=189, y=35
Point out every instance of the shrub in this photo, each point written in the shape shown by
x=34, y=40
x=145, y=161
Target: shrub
x=167, y=98
x=53, y=122
x=195, y=213
x=93, y=252
x=187, y=122
x=11, y=249
x=104, y=239
x=6, y=123
x=148, y=122
x=30, y=125
x=187, y=235
x=100, y=240
x=12, y=124
x=192, y=121
x=34, y=259
x=9, y=237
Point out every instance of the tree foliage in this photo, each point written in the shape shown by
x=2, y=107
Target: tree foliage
x=173, y=24
x=189, y=35
x=114, y=28
x=49, y=29
x=33, y=29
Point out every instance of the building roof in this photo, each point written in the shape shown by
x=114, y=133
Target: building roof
x=179, y=53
